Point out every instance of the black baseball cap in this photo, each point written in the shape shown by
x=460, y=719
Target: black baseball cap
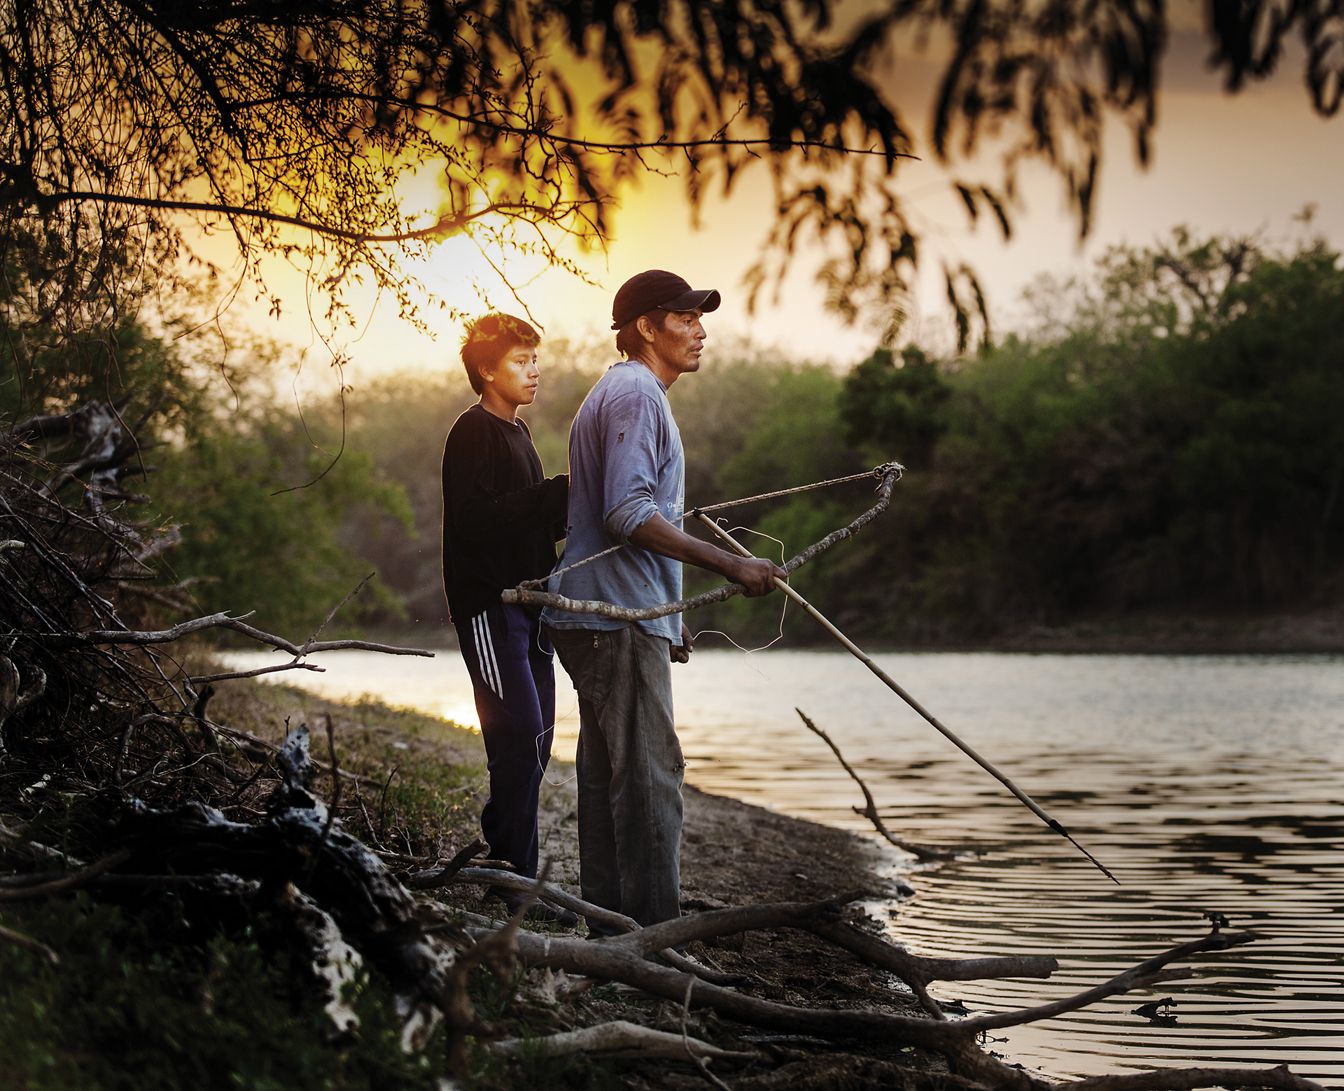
x=657, y=288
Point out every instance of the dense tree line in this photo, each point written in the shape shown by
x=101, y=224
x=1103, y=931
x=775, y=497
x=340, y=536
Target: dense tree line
x=1164, y=438
x=211, y=459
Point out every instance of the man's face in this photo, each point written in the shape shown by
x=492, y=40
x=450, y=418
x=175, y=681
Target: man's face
x=679, y=342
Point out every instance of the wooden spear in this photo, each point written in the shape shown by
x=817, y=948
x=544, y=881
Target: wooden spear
x=867, y=660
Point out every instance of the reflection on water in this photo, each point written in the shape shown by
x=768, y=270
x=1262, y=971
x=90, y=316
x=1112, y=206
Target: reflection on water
x=1266, y=858
x=1203, y=783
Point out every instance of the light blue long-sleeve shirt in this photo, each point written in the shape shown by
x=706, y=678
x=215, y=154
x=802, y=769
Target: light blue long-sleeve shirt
x=626, y=464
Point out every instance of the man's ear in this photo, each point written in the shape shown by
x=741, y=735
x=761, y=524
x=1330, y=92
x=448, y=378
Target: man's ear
x=647, y=330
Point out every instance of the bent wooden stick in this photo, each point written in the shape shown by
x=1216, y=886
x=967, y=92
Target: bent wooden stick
x=864, y=658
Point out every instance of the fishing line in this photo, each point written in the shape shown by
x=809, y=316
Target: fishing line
x=541, y=766
x=561, y=782
x=559, y=573
x=784, y=610
x=723, y=505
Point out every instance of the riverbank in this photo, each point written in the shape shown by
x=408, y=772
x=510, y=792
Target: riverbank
x=1318, y=631
x=196, y=995
x=734, y=854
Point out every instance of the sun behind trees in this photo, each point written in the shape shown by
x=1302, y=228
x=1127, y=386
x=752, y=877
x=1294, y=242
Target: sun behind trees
x=130, y=128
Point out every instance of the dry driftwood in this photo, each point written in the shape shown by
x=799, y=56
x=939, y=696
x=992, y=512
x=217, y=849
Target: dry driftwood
x=442, y=876
x=815, y=917
x=1187, y=1079
x=300, y=844
x=954, y=1039
x=594, y=914
x=623, y=958
x=621, y=1038
x=627, y=965
x=335, y=964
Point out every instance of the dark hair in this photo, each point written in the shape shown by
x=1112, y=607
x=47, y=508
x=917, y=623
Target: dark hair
x=489, y=338
x=628, y=338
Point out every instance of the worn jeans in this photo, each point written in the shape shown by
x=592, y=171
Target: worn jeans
x=630, y=770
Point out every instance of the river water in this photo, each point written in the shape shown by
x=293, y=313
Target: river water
x=1203, y=782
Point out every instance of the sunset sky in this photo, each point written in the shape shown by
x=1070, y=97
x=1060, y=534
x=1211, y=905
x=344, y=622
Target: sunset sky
x=1229, y=164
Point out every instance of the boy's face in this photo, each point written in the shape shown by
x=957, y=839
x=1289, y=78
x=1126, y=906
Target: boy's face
x=513, y=381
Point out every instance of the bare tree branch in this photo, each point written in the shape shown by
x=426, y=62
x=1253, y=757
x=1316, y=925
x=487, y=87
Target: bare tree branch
x=869, y=810
x=69, y=882
x=224, y=621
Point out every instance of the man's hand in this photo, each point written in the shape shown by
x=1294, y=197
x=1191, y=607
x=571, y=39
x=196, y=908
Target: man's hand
x=757, y=575
x=681, y=653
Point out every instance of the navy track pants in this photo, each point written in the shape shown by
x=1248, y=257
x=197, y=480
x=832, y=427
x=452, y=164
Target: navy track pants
x=510, y=660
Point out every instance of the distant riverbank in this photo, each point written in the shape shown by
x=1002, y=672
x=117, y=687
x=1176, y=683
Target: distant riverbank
x=1308, y=631
x=1319, y=630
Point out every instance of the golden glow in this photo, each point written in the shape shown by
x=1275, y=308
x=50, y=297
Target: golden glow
x=460, y=712
x=1199, y=177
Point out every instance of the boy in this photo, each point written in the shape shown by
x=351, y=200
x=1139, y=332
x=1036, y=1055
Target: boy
x=501, y=519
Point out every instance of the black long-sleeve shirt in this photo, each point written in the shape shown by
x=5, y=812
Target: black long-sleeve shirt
x=501, y=516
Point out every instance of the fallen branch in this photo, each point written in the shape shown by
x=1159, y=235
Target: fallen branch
x=627, y=965
x=69, y=882
x=596, y=914
x=296, y=843
x=334, y=963
x=724, y=922
x=1187, y=1079
x=701, y=1062
x=222, y=620
x=27, y=942
x=619, y=1039
x=260, y=746
x=617, y=960
x=1140, y=976
x=19, y=843
x=921, y=969
x=256, y=672
x=510, y=880
x=442, y=876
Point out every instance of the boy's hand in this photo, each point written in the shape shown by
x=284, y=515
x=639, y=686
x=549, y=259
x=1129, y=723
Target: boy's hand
x=681, y=653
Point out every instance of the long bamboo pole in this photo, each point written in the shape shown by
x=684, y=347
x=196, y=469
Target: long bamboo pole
x=867, y=660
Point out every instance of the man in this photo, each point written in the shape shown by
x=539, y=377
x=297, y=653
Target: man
x=627, y=476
